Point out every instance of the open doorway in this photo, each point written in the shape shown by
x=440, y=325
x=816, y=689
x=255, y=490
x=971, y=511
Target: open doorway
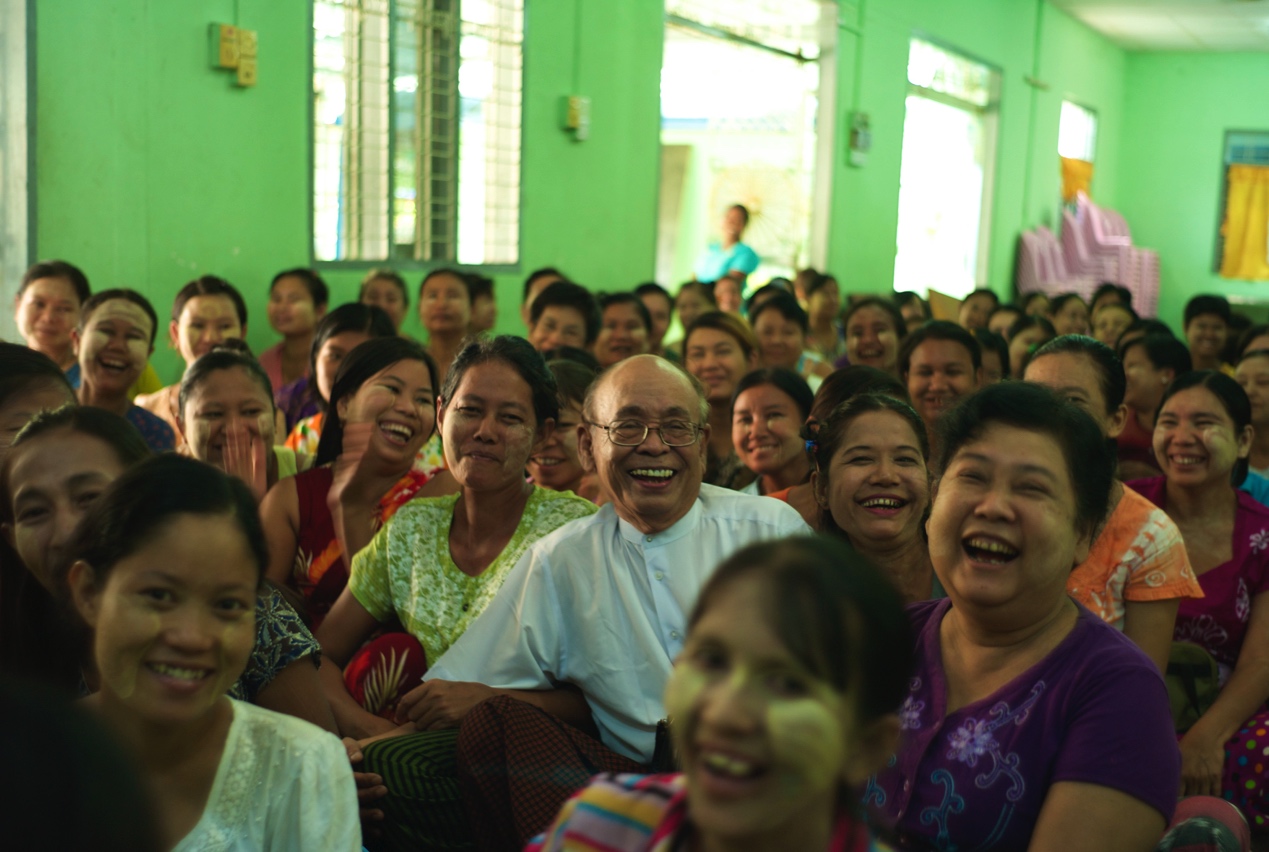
x=739, y=99
x=14, y=198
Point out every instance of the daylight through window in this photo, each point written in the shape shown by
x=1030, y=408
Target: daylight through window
x=416, y=130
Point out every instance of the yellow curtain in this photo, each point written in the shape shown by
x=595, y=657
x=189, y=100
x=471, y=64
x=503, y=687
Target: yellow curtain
x=1076, y=176
x=1246, y=225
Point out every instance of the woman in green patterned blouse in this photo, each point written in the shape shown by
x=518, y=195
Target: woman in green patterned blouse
x=438, y=562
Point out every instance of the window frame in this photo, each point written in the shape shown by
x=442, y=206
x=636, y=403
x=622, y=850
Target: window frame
x=17, y=151
x=1097, y=128
x=989, y=114
x=410, y=264
x=1218, y=242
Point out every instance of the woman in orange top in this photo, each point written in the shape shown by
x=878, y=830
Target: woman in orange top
x=1137, y=570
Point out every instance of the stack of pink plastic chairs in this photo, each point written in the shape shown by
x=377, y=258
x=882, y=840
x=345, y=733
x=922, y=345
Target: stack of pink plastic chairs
x=1042, y=266
x=1095, y=246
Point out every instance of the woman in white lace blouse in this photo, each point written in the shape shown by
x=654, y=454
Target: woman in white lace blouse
x=164, y=569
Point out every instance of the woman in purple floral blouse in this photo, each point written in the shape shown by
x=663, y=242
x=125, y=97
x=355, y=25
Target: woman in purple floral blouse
x=1029, y=723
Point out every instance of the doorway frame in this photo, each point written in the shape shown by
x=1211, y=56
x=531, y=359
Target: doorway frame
x=17, y=121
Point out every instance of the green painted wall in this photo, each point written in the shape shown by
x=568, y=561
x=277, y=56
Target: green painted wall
x=1078, y=65
x=153, y=168
x=1176, y=111
x=1022, y=39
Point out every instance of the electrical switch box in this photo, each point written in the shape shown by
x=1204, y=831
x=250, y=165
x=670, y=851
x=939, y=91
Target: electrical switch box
x=224, y=46
x=248, y=45
x=860, y=142
x=577, y=116
x=247, y=72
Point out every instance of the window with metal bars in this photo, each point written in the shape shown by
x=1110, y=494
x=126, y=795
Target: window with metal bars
x=416, y=130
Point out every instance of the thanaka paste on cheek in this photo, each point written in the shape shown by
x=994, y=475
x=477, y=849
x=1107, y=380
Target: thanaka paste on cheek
x=804, y=734
x=520, y=440
x=1222, y=450
x=236, y=638
x=681, y=693
x=119, y=672
x=807, y=742
x=198, y=437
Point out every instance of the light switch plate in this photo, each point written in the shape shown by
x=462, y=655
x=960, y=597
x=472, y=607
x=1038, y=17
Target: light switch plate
x=224, y=46
x=247, y=71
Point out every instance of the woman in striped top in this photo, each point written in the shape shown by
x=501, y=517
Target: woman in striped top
x=778, y=713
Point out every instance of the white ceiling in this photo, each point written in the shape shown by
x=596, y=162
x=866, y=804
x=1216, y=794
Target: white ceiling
x=1211, y=25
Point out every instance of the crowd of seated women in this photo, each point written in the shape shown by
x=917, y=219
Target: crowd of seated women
x=288, y=601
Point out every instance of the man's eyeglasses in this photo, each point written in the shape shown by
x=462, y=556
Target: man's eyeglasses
x=632, y=433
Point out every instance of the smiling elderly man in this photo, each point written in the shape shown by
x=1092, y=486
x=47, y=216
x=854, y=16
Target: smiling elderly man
x=600, y=604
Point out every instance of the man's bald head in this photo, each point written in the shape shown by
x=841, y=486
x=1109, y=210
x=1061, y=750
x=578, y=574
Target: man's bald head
x=653, y=368
x=653, y=484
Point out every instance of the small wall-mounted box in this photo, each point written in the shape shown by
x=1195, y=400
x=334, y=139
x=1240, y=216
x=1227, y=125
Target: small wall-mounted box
x=860, y=140
x=224, y=46
x=248, y=45
x=576, y=116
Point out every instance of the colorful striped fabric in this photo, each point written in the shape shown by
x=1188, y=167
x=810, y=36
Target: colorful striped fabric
x=619, y=813
x=648, y=813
